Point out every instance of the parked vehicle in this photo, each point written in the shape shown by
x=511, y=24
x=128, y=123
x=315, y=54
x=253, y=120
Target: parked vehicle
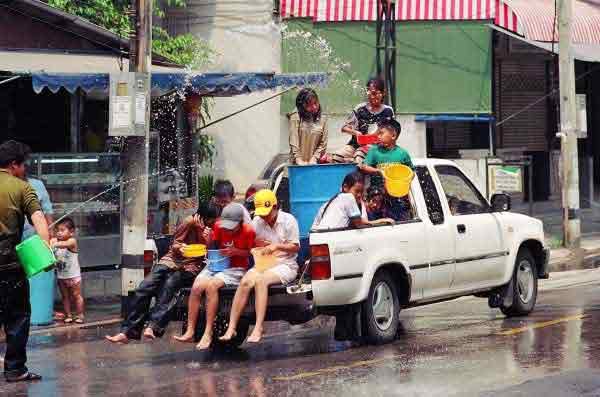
x=455, y=244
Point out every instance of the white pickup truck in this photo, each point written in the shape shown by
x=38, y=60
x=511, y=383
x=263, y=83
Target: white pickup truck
x=456, y=244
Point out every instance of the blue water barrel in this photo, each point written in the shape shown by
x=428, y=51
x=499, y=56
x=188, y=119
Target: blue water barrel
x=41, y=295
x=311, y=186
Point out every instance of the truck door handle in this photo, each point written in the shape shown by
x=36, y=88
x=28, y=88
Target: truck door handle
x=461, y=228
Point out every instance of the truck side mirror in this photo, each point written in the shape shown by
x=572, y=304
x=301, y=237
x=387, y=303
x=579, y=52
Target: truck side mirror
x=501, y=202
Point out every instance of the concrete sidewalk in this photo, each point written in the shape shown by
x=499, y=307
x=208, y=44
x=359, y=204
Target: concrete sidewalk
x=586, y=257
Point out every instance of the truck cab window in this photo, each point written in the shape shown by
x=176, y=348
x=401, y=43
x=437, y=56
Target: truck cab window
x=463, y=198
x=432, y=199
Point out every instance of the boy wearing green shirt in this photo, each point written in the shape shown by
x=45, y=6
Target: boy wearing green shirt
x=387, y=152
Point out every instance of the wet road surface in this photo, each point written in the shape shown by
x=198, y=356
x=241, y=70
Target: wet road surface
x=455, y=348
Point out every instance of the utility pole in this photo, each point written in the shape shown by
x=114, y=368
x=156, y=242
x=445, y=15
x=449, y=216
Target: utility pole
x=568, y=125
x=134, y=158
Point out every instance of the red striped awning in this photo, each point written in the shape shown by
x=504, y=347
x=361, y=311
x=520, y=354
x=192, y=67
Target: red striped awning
x=532, y=19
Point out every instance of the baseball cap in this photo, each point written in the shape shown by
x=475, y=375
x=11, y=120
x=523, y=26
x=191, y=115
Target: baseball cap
x=232, y=216
x=264, y=201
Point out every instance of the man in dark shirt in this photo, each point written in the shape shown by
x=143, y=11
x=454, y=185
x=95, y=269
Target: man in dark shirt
x=17, y=201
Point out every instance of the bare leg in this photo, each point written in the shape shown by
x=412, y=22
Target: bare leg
x=239, y=302
x=149, y=334
x=212, y=306
x=77, y=297
x=261, y=296
x=200, y=285
x=64, y=293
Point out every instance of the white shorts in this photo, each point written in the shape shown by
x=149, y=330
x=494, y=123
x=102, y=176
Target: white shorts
x=231, y=276
x=287, y=274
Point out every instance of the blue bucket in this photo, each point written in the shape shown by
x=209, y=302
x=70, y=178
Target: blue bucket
x=217, y=262
x=41, y=295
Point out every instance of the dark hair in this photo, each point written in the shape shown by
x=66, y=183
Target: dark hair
x=13, y=151
x=68, y=222
x=208, y=211
x=377, y=82
x=352, y=179
x=374, y=191
x=224, y=188
x=391, y=124
x=304, y=96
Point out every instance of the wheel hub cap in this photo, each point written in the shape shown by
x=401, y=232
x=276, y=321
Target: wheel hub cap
x=525, y=281
x=383, y=306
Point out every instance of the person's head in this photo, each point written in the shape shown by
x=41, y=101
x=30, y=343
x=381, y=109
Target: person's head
x=307, y=103
x=209, y=213
x=265, y=205
x=232, y=217
x=375, y=92
x=354, y=183
x=374, y=199
x=65, y=229
x=13, y=156
x=389, y=131
x=224, y=193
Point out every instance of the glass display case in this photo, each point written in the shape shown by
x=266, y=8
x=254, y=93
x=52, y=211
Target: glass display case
x=85, y=186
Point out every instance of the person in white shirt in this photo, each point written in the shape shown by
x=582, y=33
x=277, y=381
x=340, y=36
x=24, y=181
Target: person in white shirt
x=346, y=208
x=277, y=233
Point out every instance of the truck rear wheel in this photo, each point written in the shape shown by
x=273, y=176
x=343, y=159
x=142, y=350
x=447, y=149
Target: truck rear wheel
x=524, y=285
x=381, y=310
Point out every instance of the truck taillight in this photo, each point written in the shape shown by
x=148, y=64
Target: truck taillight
x=320, y=263
x=148, y=261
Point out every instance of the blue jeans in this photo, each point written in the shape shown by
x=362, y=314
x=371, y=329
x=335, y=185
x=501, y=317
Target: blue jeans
x=162, y=283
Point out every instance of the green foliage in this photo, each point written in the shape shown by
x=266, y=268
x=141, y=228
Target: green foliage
x=206, y=184
x=112, y=15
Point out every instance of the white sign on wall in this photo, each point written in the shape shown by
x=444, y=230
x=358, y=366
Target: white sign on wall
x=128, y=104
x=505, y=178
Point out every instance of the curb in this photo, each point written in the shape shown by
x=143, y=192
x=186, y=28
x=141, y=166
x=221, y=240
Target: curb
x=580, y=258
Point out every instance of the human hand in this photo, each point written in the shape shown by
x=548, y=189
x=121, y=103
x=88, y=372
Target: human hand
x=388, y=221
x=206, y=234
x=270, y=249
x=182, y=248
x=197, y=220
x=53, y=242
x=262, y=243
x=229, y=252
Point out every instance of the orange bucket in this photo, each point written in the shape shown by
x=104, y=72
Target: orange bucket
x=263, y=262
x=397, y=179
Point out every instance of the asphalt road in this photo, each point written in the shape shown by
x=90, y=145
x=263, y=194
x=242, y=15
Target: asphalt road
x=454, y=348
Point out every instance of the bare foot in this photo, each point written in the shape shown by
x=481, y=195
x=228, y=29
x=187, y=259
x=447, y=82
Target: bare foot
x=229, y=335
x=188, y=337
x=256, y=336
x=204, y=343
x=118, y=338
x=149, y=333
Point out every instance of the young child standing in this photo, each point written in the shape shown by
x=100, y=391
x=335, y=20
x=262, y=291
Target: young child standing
x=308, y=130
x=386, y=153
x=68, y=271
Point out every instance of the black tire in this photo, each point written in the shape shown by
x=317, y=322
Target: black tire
x=381, y=328
x=522, y=301
x=219, y=328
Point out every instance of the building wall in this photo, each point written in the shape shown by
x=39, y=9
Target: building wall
x=246, y=39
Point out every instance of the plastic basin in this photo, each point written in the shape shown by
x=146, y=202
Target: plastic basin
x=397, y=179
x=35, y=255
x=194, y=251
x=367, y=139
x=217, y=262
x=263, y=262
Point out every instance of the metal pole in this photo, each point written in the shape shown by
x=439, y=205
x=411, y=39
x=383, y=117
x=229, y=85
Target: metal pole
x=491, y=134
x=135, y=159
x=568, y=117
x=530, y=187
